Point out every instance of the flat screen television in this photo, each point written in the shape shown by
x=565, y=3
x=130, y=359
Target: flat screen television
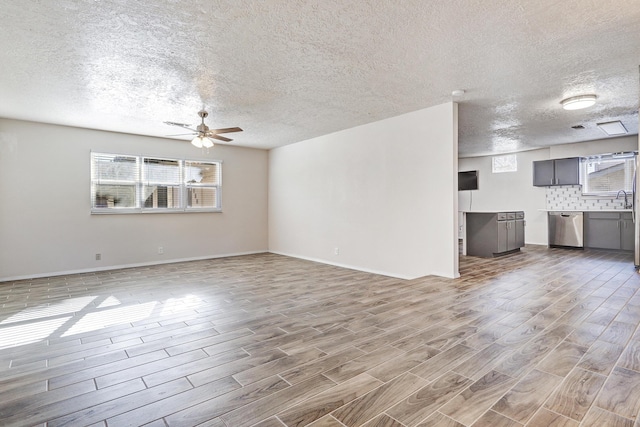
x=467, y=180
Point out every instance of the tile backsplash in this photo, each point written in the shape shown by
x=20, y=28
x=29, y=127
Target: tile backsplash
x=570, y=197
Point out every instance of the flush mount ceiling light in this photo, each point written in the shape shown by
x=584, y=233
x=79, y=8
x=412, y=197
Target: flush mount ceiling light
x=613, y=128
x=578, y=102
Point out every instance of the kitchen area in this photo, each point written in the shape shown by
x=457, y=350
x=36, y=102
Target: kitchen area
x=576, y=216
x=572, y=196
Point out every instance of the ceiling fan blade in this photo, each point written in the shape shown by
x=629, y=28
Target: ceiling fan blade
x=182, y=125
x=184, y=134
x=225, y=130
x=218, y=137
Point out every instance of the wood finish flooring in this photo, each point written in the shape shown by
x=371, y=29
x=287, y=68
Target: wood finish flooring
x=545, y=337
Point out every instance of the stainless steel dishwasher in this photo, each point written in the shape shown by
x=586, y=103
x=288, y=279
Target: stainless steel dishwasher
x=566, y=229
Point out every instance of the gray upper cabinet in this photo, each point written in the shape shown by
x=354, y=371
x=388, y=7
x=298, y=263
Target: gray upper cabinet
x=543, y=173
x=567, y=171
x=556, y=172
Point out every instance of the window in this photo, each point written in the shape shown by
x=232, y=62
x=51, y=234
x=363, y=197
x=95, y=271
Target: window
x=607, y=174
x=161, y=183
x=507, y=163
x=130, y=184
x=202, y=184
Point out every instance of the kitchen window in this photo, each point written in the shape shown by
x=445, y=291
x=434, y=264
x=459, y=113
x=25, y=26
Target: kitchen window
x=608, y=174
x=135, y=184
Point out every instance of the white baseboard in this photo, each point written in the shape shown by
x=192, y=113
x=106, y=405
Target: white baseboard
x=350, y=267
x=173, y=261
x=121, y=266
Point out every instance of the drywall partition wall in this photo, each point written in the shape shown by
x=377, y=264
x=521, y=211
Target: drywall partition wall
x=508, y=191
x=45, y=221
x=378, y=197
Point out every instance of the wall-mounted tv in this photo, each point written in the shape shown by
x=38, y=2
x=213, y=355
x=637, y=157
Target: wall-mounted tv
x=467, y=180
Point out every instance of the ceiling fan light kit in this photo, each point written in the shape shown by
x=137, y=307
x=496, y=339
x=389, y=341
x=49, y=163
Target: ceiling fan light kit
x=203, y=135
x=197, y=142
x=578, y=102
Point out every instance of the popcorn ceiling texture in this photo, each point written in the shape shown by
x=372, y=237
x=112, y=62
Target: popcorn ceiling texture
x=569, y=197
x=289, y=70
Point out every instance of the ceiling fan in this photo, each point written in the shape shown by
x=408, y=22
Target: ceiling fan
x=204, y=135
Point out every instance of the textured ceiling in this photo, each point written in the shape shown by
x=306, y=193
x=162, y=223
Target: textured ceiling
x=289, y=70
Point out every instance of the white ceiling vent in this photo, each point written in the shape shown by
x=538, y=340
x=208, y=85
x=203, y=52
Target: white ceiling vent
x=613, y=128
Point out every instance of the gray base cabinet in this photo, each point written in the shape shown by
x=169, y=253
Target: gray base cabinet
x=609, y=230
x=628, y=231
x=492, y=234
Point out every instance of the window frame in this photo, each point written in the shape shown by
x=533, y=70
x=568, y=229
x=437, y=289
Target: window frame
x=140, y=183
x=584, y=174
x=515, y=163
x=187, y=185
x=146, y=182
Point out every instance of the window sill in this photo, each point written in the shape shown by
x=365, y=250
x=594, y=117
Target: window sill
x=151, y=211
x=605, y=195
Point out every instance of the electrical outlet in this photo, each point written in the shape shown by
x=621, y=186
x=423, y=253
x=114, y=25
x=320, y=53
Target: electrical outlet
x=160, y=250
x=98, y=257
x=336, y=251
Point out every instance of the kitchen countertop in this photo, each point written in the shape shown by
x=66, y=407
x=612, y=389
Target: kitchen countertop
x=493, y=212
x=585, y=210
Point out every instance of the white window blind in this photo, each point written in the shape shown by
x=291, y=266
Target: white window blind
x=202, y=181
x=126, y=183
x=161, y=184
x=114, y=181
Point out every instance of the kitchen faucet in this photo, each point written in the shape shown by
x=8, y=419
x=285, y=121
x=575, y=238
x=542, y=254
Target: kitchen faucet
x=627, y=205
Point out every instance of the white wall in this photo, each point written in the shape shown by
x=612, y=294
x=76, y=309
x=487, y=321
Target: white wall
x=509, y=191
x=384, y=194
x=515, y=190
x=590, y=148
x=45, y=222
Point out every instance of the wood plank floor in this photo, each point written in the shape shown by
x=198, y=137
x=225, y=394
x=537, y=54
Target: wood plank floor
x=545, y=337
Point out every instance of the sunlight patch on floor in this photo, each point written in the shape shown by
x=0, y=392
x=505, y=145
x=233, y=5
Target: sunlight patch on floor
x=109, y=302
x=13, y=336
x=71, y=305
x=177, y=305
x=115, y=316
